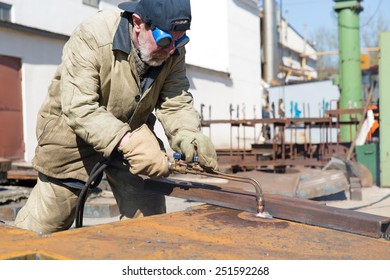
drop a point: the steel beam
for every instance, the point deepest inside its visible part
(281, 207)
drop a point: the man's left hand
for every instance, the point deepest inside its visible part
(192, 144)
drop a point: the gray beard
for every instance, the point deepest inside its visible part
(148, 59)
(146, 56)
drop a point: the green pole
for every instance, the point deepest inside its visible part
(384, 115)
(349, 61)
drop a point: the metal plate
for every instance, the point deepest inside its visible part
(203, 233)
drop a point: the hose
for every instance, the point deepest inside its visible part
(92, 182)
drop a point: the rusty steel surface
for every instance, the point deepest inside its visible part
(279, 151)
(282, 207)
(344, 111)
(242, 197)
(202, 233)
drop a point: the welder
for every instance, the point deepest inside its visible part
(120, 70)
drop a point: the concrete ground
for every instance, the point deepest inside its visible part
(375, 200)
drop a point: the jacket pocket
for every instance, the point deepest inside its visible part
(46, 128)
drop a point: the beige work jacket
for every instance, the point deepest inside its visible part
(95, 97)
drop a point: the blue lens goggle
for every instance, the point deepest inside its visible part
(164, 39)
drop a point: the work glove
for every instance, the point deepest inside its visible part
(143, 152)
(191, 144)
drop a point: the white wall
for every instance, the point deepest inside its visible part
(291, 38)
(40, 57)
(225, 39)
(60, 16)
(209, 35)
(294, 45)
(313, 99)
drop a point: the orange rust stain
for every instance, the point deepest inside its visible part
(206, 232)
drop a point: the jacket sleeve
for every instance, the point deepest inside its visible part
(80, 87)
(175, 109)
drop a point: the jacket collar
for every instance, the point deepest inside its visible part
(122, 39)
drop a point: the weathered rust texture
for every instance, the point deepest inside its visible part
(281, 207)
(203, 233)
(281, 151)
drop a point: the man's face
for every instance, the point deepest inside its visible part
(150, 53)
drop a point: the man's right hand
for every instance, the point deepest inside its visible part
(142, 150)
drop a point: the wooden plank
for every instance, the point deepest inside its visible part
(22, 174)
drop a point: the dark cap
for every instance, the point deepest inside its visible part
(168, 15)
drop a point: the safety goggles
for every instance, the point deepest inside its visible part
(164, 39)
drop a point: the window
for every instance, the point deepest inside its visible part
(93, 3)
(5, 11)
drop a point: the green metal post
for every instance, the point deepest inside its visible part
(384, 113)
(349, 61)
